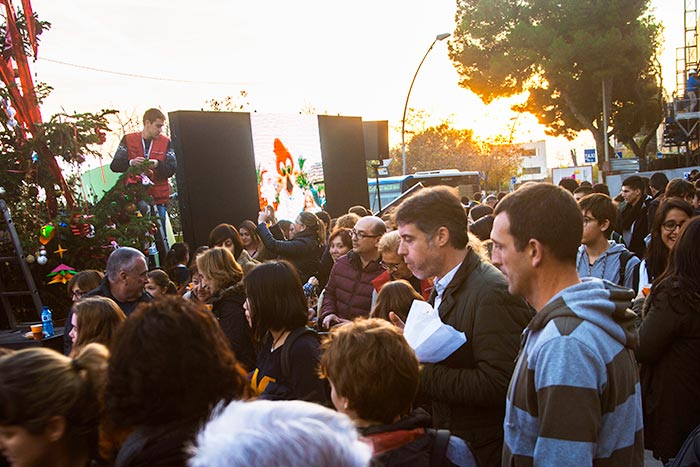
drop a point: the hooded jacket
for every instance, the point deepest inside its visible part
(607, 265)
(575, 396)
(227, 307)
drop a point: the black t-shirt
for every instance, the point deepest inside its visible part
(302, 383)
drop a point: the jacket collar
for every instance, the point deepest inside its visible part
(470, 263)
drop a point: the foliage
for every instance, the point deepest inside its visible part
(562, 53)
(230, 103)
(444, 147)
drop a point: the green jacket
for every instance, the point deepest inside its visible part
(468, 389)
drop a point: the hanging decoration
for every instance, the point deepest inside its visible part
(62, 273)
(61, 251)
(46, 234)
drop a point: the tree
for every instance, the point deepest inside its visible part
(444, 147)
(564, 53)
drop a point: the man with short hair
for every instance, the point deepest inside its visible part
(582, 191)
(466, 389)
(574, 398)
(632, 223)
(598, 256)
(125, 279)
(153, 154)
(491, 201)
(348, 294)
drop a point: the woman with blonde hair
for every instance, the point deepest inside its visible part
(222, 276)
(50, 406)
(94, 319)
(80, 284)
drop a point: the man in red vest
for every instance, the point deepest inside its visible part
(151, 149)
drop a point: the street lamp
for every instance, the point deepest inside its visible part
(439, 37)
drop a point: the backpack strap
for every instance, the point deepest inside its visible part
(440, 443)
(287, 348)
(625, 256)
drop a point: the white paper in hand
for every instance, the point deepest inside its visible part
(431, 339)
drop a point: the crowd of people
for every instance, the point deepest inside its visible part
(292, 346)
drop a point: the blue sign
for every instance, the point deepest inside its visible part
(589, 156)
(618, 154)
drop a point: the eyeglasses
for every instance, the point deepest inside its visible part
(587, 220)
(670, 226)
(391, 267)
(360, 235)
(77, 294)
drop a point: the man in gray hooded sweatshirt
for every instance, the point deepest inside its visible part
(574, 398)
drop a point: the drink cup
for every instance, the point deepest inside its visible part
(646, 289)
(37, 331)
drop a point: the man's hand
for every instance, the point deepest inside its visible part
(137, 161)
(333, 320)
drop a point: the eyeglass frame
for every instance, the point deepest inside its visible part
(391, 267)
(675, 225)
(361, 235)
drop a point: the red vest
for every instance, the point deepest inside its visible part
(160, 190)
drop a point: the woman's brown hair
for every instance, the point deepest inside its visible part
(98, 319)
(370, 363)
(396, 296)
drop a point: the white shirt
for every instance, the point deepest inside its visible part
(441, 285)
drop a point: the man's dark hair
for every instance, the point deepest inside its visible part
(360, 211)
(679, 188)
(658, 181)
(601, 188)
(168, 349)
(546, 213)
(569, 184)
(477, 196)
(586, 183)
(151, 115)
(601, 208)
(634, 182)
(586, 190)
(432, 208)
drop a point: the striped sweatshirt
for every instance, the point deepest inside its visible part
(574, 398)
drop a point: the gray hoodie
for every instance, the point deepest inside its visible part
(607, 266)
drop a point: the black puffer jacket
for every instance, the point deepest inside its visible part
(228, 309)
(468, 389)
(669, 351)
(303, 251)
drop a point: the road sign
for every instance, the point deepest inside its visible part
(589, 156)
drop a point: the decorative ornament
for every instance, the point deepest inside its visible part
(138, 214)
(46, 234)
(62, 273)
(130, 208)
(3, 191)
(42, 260)
(30, 259)
(60, 251)
(33, 192)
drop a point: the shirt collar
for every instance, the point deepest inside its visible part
(441, 285)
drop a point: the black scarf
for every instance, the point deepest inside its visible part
(630, 213)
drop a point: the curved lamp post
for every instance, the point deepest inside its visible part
(439, 37)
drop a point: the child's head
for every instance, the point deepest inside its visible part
(372, 370)
(396, 296)
(600, 215)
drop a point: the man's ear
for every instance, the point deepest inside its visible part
(55, 428)
(441, 237)
(123, 275)
(535, 251)
(604, 226)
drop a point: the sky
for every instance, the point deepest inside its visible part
(341, 58)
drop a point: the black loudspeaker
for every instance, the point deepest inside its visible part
(216, 176)
(376, 135)
(344, 169)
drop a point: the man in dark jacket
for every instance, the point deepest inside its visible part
(348, 293)
(633, 222)
(468, 388)
(125, 279)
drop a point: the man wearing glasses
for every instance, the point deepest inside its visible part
(348, 293)
(153, 154)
